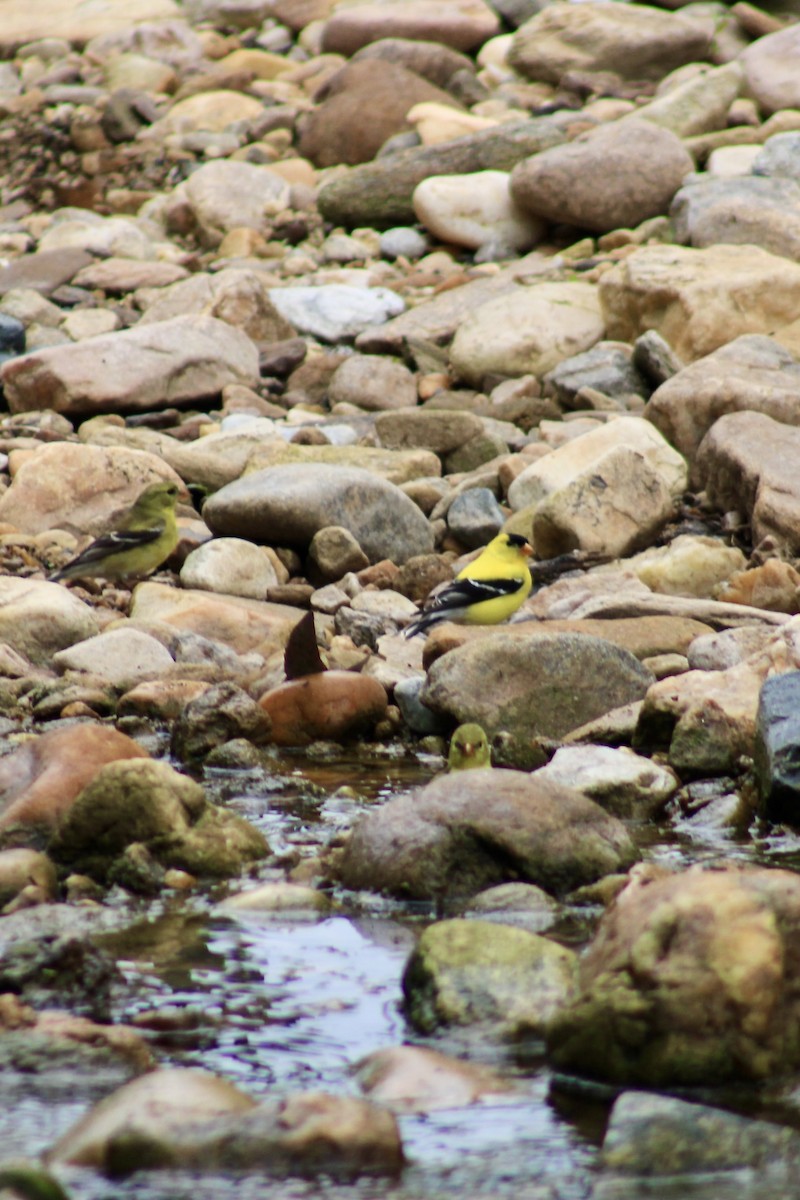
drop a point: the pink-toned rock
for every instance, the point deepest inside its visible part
(418, 1080)
(62, 1028)
(332, 705)
(460, 24)
(135, 370)
(39, 781)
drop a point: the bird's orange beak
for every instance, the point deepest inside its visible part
(527, 550)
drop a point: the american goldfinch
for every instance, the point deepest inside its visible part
(144, 539)
(486, 592)
(469, 749)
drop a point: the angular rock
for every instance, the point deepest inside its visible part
(468, 972)
(708, 718)
(301, 500)
(608, 367)
(472, 830)
(699, 299)
(745, 463)
(636, 42)
(579, 458)
(614, 509)
(440, 430)
(688, 981)
(690, 565)
(535, 685)
(418, 1080)
(752, 373)
(121, 656)
(173, 362)
(217, 715)
(44, 271)
(698, 105)
(618, 175)
(527, 332)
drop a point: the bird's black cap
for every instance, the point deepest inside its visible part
(516, 539)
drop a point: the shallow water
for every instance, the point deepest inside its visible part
(277, 1005)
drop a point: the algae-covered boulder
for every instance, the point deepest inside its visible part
(148, 803)
(462, 972)
(691, 979)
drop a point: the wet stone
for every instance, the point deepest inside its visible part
(777, 747)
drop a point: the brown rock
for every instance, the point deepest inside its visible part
(690, 980)
(39, 781)
(334, 705)
(616, 176)
(364, 104)
(461, 24)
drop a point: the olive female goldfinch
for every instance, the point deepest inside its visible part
(487, 591)
(142, 541)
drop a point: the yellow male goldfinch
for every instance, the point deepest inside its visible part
(487, 591)
(469, 749)
(145, 537)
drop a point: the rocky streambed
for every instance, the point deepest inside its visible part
(370, 284)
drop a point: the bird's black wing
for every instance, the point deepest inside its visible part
(458, 596)
(116, 542)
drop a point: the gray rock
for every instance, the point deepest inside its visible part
(616, 176)
(531, 684)
(219, 714)
(336, 311)
(121, 656)
(404, 240)
(779, 157)
(654, 358)
(475, 517)
(777, 742)
(770, 66)
(476, 829)
(37, 618)
(745, 210)
(608, 367)
(440, 430)
(417, 716)
(290, 504)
